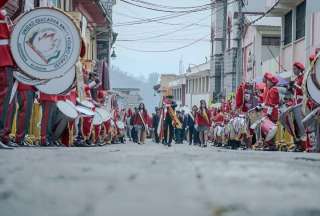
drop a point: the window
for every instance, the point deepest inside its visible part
(300, 20)
(270, 41)
(288, 28)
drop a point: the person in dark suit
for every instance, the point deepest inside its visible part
(190, 125)
(155, 123)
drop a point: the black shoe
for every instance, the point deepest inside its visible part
(48, 144)
(3, 146)
(12, 144)
(24, 144)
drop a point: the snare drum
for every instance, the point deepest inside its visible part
(104, 113)
(97, 119)
(66, 113)
(268, 129)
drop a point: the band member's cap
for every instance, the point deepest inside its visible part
(274, 80)
(312, 57)
(267, 75)
(299, 65)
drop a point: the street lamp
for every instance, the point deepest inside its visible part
(113, 55)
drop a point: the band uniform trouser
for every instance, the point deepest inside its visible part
(47, 120)
(86, 127)
(168, 133)
(6, 84)
(96, 133)
(68, 134)
(25, 102)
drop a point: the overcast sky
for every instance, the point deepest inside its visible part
(144, 63)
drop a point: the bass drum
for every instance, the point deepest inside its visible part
(58, 85)
(45, 43)
(312, 90)
(311, 117)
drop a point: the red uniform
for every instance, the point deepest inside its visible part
(137, 119)
(6, 80)
(271, 104)
(25, 99)
(203, 119)
(3, 2)
(219, 118)
(48, 103)
(298, 93)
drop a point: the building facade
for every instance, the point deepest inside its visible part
(261, 48)
(198, 84)
(300, 30)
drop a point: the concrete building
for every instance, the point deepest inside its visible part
(261, 47)
(131, 96)
(198, 84)
(178, 89)
(300, 31)
(164, 87)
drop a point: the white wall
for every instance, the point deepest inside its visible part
(194, 99)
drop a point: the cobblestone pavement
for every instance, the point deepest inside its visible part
(154, 180)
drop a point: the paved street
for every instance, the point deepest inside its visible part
(152, 180)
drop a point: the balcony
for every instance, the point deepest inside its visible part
(282, 6)
(98, 12)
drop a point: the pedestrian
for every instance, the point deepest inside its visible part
(140, 122)
(155, 123)
(203, 123)
(190, 125)
(179, 131)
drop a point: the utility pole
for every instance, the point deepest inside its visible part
(240, 54)
(223, 45)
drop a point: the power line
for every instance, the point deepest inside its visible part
(163, 51)
(171, 32)
(172, 7)
(206, 7)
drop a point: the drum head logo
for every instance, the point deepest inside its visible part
(45, 43)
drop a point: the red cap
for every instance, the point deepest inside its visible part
(267, 75)
(274, 80)
(299, 65)
(2, 3)
(312, 57)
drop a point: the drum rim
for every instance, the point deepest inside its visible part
(314, 75)
(68, 17)
(69, 105)
(85, 108)
(17, 74)
(43, 86)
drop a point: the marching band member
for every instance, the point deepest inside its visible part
(25, 100)
(203, 123)
(271, 105)
(218, 123)
(48, 104)
(298, 70)
(140, 122)
(87, 121)
(155, 122)
(6, 80)
(67, 137)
